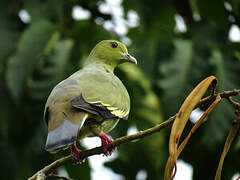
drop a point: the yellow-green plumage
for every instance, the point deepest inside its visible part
(90, 101)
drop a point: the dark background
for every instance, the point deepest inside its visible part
(36, 55)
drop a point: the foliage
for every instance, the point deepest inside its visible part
(34, 56)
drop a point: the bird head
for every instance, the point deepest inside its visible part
(111, 52)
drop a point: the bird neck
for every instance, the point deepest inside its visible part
(107, 67)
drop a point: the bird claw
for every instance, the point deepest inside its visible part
(76, 155)
(105, 141)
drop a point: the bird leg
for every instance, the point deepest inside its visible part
(76, 154)
(105, 141)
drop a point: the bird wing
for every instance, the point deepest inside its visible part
(102, 94)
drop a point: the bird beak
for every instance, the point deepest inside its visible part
(129, 58)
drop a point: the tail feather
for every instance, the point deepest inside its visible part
(62, 136)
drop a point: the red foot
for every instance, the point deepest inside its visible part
(105, 141)
(76, 154)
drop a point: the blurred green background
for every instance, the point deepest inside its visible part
(177, 43)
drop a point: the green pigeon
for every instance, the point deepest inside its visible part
(90, 102)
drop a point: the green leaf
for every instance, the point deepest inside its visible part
(174, 72)
(29, 48)
(9, 33)
(81, 171)
(218, 16)
(146, 106)
(50, 70)
(49, 9)
(147, 154)
(226, 70)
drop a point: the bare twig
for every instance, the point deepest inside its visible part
(58, 176)
(41, 176)
(224, 94)
(125, 139)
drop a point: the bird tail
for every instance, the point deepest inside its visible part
(63, 136)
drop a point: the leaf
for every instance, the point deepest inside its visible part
(81, 171)
(9, 34)
(180, 121)
(227, 146)
(50, 69)
(198, 123)
(29, 48)
(147, 154)
(226, 70)
(145, 112)
(49, 9)
(156, 16)
(185, 111)
(146, 105)
(218, 16)
(174, 72)
(146, 53)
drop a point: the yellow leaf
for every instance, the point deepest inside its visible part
(181, 119)
(227, 145)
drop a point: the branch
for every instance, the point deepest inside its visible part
(224, 94)
(125, 139)
(98, 150)
(58, 177)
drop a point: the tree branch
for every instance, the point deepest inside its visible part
(58, 177)
(98, 150)
(125, 139)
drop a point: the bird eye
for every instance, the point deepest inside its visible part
(113, 44)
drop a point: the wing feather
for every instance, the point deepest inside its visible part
(99, 108)
(102, 92)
